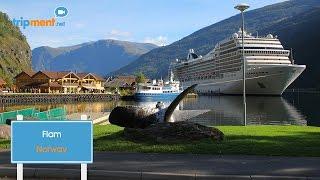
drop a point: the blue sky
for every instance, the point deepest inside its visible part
(154, 21)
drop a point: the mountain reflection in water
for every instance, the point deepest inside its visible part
(291, 108)
(228, 110)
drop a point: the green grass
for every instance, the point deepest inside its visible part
(249, 140)
(4, 144)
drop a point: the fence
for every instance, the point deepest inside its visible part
(32, 113)
(52, 114)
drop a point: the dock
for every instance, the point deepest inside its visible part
(96, 117)
(30, 98)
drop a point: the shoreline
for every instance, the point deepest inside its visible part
(29, 98)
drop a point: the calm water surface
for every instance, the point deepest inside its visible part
(291, 108)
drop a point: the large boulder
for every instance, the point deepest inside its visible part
(174, 131)
(5, 132)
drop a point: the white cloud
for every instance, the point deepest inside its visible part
(160, 40)
(115, 32)
(119, 35)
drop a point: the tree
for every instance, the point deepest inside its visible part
(140, 77)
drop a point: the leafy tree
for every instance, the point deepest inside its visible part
(140, 77)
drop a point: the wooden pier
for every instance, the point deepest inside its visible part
(29, 98)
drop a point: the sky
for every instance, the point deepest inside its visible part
(152, 21)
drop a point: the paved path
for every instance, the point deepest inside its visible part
(184, 166)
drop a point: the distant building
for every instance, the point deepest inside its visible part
(23, 79)
(121, 82)
(90, 82)
(59, 82)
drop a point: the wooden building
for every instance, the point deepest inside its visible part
(23, 79)
(121, 82)
(91, 82)
(59, 82)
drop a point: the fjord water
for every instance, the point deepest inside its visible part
(290, 108)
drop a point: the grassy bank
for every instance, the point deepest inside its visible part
(4, 144)
(250, 140)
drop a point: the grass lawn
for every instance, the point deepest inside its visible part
(250, 140)
(4, 144)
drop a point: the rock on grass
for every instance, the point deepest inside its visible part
(172, 132)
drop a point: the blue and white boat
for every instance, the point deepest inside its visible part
(157, 90)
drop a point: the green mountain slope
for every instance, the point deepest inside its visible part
(156, 62)
(302, 34)
(15, 53)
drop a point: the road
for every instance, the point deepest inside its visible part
(138, 165)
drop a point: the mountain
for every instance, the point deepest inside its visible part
(15, 52)
(100, 57)
(156, 62)
(302, 34)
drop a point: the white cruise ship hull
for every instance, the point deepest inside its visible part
(260, 80)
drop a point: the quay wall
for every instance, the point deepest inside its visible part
(26, 98)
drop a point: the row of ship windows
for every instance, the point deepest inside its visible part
(229, 75)
(218, 76)
(230, 53)
(236, 48)
(268, 62)
(169, 91)
(150, 88)
(215, 63)
(148, 94)
(234, 67)
(258, 73)
(217, 69)
(266, 52)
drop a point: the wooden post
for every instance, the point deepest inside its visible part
(20, 165)
(84, 168)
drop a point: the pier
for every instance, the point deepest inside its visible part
(29, 98)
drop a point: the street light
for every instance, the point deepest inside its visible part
(242, 7)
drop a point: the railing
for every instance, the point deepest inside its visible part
(70, 84)
(51, 114)
(32, 98)
(88, 84)
(29, 112)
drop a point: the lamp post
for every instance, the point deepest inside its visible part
(242, 7)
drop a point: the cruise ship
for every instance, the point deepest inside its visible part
(270, 69)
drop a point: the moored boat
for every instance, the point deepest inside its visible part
(157, 90)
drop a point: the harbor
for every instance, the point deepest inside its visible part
(218, 91)
(291, 108)
(31, 98)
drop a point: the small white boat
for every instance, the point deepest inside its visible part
(158, 90)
